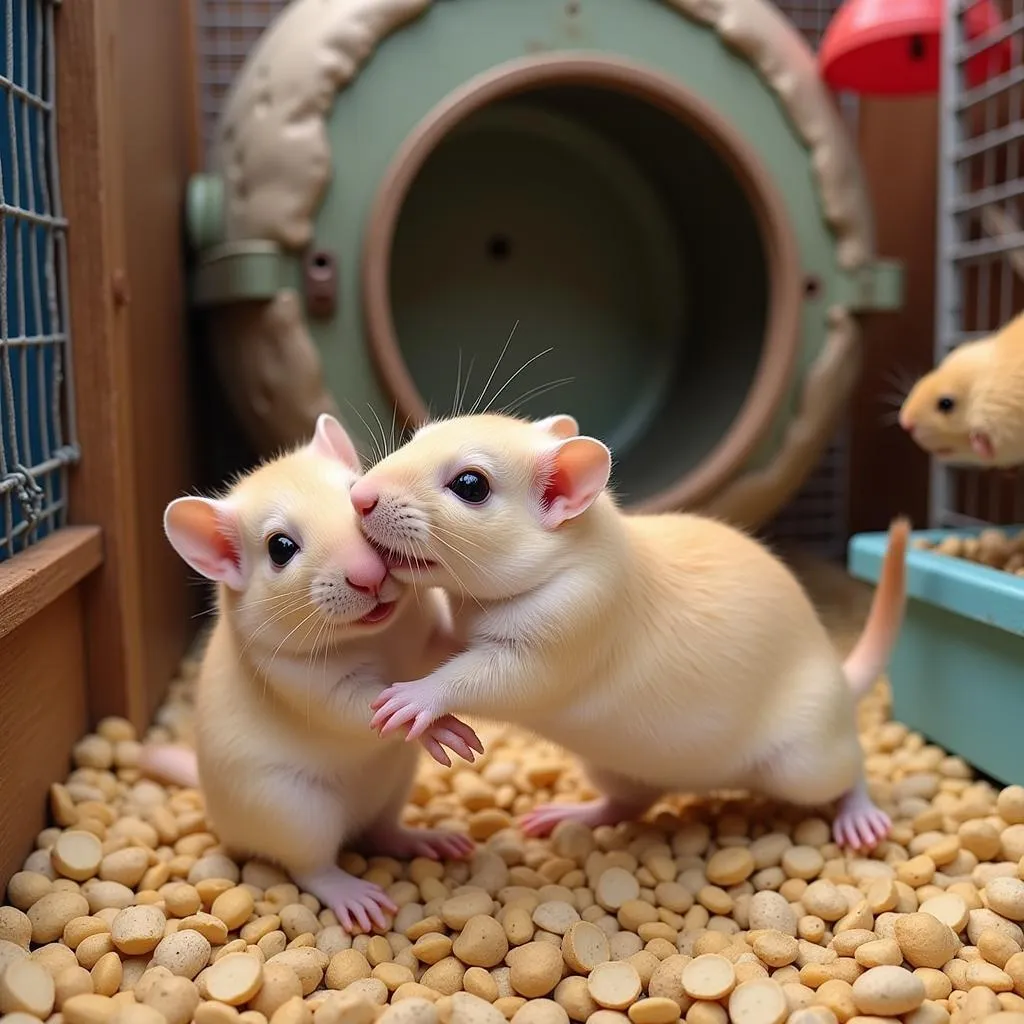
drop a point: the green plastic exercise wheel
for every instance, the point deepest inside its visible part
(651, 211)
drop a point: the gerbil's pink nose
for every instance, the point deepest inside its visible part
(364, 497)
(366, 575)
(906, 423)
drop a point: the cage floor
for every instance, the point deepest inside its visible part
(926, 927)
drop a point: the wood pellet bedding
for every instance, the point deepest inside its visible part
(998, 549)
(127, 912)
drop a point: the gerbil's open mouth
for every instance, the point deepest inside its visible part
(396, 560)
(379, 614)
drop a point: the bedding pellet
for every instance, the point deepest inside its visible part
(129, 912)
(997, 549)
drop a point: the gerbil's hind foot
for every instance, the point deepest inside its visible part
(405, 843)
(354, 901)
(603, 811)
(860, 825)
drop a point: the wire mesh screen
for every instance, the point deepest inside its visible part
(981, 223)
(227, 30)
(37, 424)
(816, 518)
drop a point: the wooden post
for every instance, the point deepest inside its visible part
(899, 149)
(124, 139)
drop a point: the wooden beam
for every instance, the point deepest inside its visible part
(103, 486)
(43, 711)
(903, 194)
(124, 156)
(40, 574)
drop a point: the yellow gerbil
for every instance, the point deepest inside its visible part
(310, 629)
(670, 652)
(970, 409)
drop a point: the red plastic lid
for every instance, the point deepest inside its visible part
(892, 47)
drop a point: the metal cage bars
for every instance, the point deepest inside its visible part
(980, 231)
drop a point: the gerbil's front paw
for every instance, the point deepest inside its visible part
(409, 704)
(435, 844)
(354, 901)
(449, 732)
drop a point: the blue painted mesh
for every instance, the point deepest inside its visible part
(37, 435)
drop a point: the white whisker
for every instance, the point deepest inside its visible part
(276, 616)
(378, 456)
(465, 386)
(532, 359)
(501, 356)
(272, 657)
(458, 385)
(536, 392)
(458, 538)
(383, 436)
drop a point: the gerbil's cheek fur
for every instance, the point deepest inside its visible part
(331, 594)
(399, 530)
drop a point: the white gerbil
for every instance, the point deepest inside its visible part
(669, 652)
(969, 410)
(310, 628)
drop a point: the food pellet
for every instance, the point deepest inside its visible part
(234, 979)
(614, 985)
(584, 946)
(758, 1002)
(131, 912)
(137, 930)
(709, 977)
(616, 886)
(77, 855)
(25, 987)
(481, 943)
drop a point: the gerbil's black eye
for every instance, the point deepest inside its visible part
(282, 549)
(470, 486)
(945, 404)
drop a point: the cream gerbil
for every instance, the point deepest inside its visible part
(970, 409)
(310, 628)
(669, 652)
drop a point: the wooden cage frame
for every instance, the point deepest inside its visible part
(95, 618)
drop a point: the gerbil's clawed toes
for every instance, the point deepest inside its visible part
(355, 902)
(541, 820)
(421, 842)
(860, 825)
(449, 732)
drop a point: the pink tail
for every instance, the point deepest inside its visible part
(871, 655)
(177, 765)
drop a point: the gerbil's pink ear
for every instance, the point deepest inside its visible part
(206, 534)
(981, 445)
(561, 425)
(577, 473)
(332, 441)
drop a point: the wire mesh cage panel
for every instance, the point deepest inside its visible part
(816, 517)
(981, 226)
(227, 30)
(811, 17)
(37, 422)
